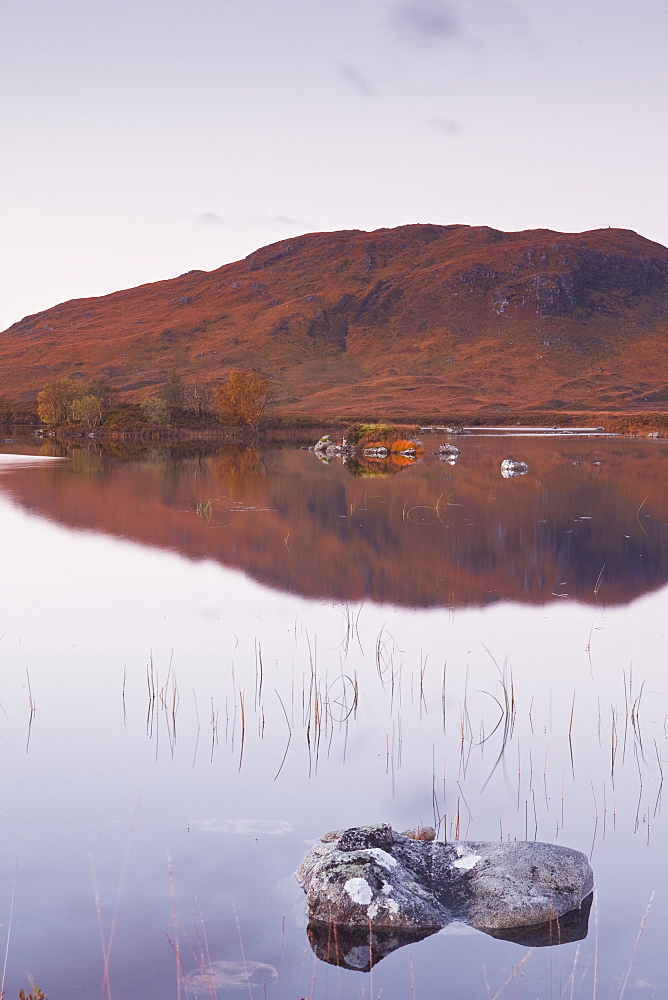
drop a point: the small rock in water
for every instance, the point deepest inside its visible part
(421, 833)
(327, 838)
(325, 448)
(510, 468)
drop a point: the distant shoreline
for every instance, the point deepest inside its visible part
(631, 424)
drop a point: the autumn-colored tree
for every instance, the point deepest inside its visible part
(242, 400)
(86, 410)
(69, 401)
(54, 400)
(155, 410)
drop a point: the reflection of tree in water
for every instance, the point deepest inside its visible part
(84, 460)
(52, 448)
(151, 450)
(362, 466)
(239, 460)
(433, 537)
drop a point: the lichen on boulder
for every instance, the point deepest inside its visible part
(376, 881)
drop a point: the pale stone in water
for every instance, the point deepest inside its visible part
(510, 468)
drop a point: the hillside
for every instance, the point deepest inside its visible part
(414, 320)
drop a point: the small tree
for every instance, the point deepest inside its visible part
(86, 410)
(243, 399)
(54, 401)
(193, 396)
(155, 410)
(98, 387)
(198, 398)
(173, 392)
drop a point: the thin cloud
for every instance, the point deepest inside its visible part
(425, 22)
(356, 79)
(287, 220)
(210, 219)
(435, 23)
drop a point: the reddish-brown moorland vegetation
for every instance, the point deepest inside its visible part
(417, 320)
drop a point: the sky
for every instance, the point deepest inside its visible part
(144, 138)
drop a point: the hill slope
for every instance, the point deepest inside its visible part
(416, 319)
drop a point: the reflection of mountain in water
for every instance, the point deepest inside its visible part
(589, 515)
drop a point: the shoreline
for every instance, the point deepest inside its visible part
(630, 424)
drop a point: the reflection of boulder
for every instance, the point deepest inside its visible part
(572, 926)
(448, 451)
(375, 881)
(510, 468)
(327, 449)
(370, 450)
(360, 949)
(357, 947)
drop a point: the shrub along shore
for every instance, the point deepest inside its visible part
(180, 428)
(246, 405)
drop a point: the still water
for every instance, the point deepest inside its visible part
(209, 658)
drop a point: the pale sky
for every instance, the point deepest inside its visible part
(143, 138)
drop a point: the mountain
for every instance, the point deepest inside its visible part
(414, 320)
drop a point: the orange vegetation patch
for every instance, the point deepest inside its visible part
(401, 461)
(403, 445)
